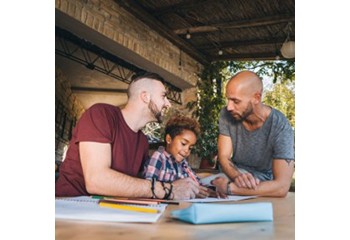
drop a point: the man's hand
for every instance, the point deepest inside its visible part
(185, 188)
(203, 192)
(246, 180)
(221, 186)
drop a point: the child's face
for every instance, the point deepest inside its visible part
(181, 145)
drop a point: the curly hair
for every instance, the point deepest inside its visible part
(177, 124)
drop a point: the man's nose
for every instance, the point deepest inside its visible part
(167, 103)
(230, 106)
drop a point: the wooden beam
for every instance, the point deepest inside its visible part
(135, 9)
(223, 45)
(247, 57)
(237, 24)
(88, 89)
(184, 5)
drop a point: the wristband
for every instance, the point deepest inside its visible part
(167, 191)
(153, 187)
(228, 189)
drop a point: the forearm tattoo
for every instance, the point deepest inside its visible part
(289, 161)
(233, 166)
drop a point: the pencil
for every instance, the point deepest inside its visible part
(191, 174)
(127, 207)
(130, 201)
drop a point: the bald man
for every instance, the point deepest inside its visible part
(255, 144)
(107, 148)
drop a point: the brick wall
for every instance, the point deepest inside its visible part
(109, 19)
(68, 110)
(112, 21)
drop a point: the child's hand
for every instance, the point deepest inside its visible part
(211, 191)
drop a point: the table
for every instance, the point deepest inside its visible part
(283, 226)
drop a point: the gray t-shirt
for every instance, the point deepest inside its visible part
(254, 151)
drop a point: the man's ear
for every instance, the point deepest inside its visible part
(257, 97)
(145, 96)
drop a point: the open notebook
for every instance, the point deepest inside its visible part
(87, 208)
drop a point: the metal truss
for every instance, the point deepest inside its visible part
(94, 58)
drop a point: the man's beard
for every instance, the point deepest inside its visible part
(155, 111)
(245, 114)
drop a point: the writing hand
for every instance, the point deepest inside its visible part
(185, 188)
(204, 192)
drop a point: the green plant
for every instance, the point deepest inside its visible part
(207, 108)
(282, 98)
(281, 70)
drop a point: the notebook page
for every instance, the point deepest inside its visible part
(87, 209)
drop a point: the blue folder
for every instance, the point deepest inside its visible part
(203, 213)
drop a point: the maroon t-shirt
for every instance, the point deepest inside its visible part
(105, 124)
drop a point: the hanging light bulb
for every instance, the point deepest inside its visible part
(220, 52)
(188, 35)
(288, 49)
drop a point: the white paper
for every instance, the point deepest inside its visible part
(207, 180)
(211, 199)
(87, 208)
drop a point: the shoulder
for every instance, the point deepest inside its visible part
(161, 152)
(279, 120)
(158, 155)
(103, 109)
(226, 118)
(278, 115)
(224, 114)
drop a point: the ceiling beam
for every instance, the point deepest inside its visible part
(184, 5)
(237, 24)
(246, 57)
(223, 45)
(145, 17)
(88, 89)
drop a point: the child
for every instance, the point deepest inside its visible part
(169, 164)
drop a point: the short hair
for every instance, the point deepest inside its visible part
(178, 123)
(143, 75)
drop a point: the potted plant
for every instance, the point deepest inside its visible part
(207, 109)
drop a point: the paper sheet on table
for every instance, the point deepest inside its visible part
(207, 180)
(201, 213)
(211, 199)
(86, 208)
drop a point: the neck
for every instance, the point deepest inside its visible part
(134, 116)
(257, 118)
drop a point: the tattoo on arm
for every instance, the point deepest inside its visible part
(289, 161)
(233, 166)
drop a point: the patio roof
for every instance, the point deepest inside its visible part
(241, 29)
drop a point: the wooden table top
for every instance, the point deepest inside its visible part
(282, 227)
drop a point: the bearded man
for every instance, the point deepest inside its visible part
(108, 148)
(255, 143)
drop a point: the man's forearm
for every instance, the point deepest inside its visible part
(229, 169)
(267, 189)
(113, 183)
